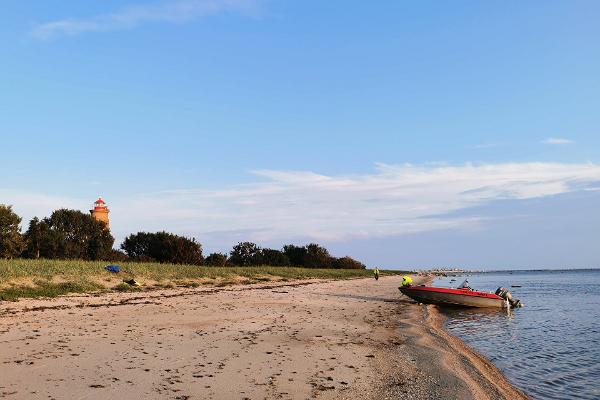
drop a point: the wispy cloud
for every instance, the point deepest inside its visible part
(175, 11)
(392, 200)
(556, 141)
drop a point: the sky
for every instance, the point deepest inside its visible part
(404, 134)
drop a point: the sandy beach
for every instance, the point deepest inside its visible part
(290, 340)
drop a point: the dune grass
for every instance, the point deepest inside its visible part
(41, 288)
(50, 278)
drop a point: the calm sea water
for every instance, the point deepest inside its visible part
(551, 347)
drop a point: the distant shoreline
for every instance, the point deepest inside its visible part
(487, 271)
(544, 270)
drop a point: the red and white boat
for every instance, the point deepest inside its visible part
(463, 296)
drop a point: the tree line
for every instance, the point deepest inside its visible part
(72, 234)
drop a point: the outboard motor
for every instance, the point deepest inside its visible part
(506, 295)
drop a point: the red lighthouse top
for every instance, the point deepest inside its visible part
(99, 204)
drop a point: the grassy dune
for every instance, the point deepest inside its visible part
(51, 278)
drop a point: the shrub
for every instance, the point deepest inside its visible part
(216, 260)
(273, 257)
(348, 263)
(163, 247)
(117, 256)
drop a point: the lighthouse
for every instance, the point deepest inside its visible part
(100, 211)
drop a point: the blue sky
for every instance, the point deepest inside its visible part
(401, 133)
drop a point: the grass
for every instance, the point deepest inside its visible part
(46, 289)
(50, 278)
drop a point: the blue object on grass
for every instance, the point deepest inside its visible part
(113, 268)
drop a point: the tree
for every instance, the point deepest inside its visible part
(33, 238)
(348, 263)
(296, 254)
(163, 247)
(317, 257)
(42, 241)
(138, 245)
(244, 254)
(12, 243)
(216, 260)
(273, 257)
(68, 234)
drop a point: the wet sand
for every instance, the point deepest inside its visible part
(316, 339)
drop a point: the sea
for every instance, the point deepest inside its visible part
(551, 347)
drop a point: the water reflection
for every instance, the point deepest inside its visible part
(480, 321)
(470, 314)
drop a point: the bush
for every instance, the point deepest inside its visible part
(216, 260)
(316, 256)
(163, 247)
(348, 263)
(273, 257)
(117, 256)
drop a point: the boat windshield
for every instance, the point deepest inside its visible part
(465, 285)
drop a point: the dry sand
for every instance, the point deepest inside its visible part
(319, 339)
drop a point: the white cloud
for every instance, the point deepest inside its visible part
(557, 141)
(392, 200)
(175, 11)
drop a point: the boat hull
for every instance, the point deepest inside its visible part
(453, 297)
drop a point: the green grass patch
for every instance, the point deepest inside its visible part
(86, 276)
(46, 289)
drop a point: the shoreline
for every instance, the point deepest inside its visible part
(484, 366)
(302, 339)
(446, 367)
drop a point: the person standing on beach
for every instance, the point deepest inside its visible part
(376, 273)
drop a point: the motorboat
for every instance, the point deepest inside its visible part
(463, 296)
